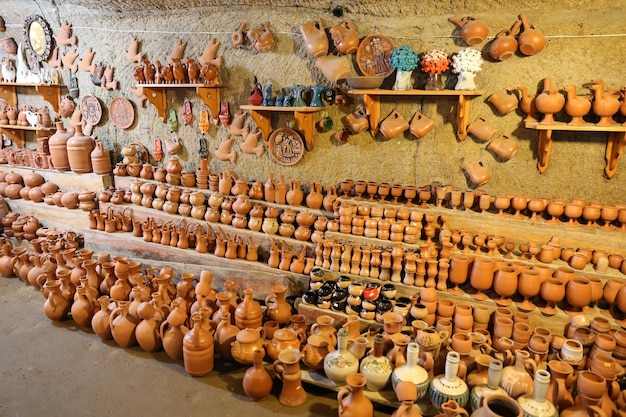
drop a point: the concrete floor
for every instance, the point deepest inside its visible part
(56, 369)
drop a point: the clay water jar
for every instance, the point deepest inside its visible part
(531, 40)
(393, 125)
(345, 37)
(504, 101)
(478, 172)
(504, 45)
(482, 129)
(315, 39)
(420, 125)
(504, 146)
(473, 31)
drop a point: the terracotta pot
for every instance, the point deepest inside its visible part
(478, 172)
(393, 125)
(473, 31)
(315, 39)
(100, 159)
(531, 41)
(504, 101)
(352, 402)
(79, 148)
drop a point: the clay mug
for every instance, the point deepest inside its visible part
(42, 161)
(504, 146)
(504, 45)
(482, 129)
(345, 37)
(504, 101)
(473, 31)
(393, 125)
(572, 351)
(421, 125)
(325, 124)
(357, 121)
(315, 39)
(341, 136)
(531, 40)
(478, 172)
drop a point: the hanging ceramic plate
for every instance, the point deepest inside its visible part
(121, 112)
(374, 55)
(91, 109)
(286, 146)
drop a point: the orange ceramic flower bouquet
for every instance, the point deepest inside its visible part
(435, 61)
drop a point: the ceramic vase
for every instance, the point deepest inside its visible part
(341, 362)
(198, 348)
(375, 367)
(352, 401)
(257, 382)
(536, 405)
(58, 148)
(412, 372)
(292, 393)
(79, 148)
(449, 386)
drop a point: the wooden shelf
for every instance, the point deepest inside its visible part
(614, 147)
(49, 92)
(262, 116)
(51, 216)
(209, 93)
(67, 181)
(255, 275)
(16, 133)
(371, 101)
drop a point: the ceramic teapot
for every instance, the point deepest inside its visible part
(247, 341)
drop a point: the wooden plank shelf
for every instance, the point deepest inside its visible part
(259, 238)
(255, 275)
(372, 100)
(612, 240)
(49, 92)
(17, 133)
(305, 117)
(51, 216)
(614, 147)
(68, 180)
(157, 95)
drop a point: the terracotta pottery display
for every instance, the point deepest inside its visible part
(352, 401)
(56, 306)
(257, 382)
(79, 148)
(123, 325)
(198, 348)
(58, 147)
(292, 393)
(345, 37)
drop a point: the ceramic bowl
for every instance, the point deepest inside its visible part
(365, 82)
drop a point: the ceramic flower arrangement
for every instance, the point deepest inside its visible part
(466, 63)
(434, 63)
(404, 60)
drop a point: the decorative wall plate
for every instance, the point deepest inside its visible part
(374, 55)
(286, 146)
(121, 112)
(91, 109)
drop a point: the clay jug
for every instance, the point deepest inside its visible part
(294, 196)
(504, 146)
(58, 147)
(226, 181)
(375, 367)
(173, 330)
(269, 190)
(123, 325)
(334, 68)
(482, 129)
(257, 382)
(315, 198)
(560, 386)
(56, 306)
(315, 39)
(498, 405)
(317, 347)
(6, 266)
(504, 101)
(473, 31)
(352, 401)
(100, 320)
(100, 159)
(292, 393)
(248, 313)
(478, 172)
(82, 308)
(278, 309)
(79, 148)
(586, 407)
(535, 405)
(225, 335)
(531, 40)
(420, 125)
(345, 37)
(393, 125)
(504, 45)
(198, 348)
(516, 379)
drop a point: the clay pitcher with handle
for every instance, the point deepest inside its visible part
(531, 41)
(473, 31)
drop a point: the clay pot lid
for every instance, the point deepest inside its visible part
(248, 335)
(285, 334)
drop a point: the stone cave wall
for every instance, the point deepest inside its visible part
(586, 40)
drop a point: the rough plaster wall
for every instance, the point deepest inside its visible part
(579, 49)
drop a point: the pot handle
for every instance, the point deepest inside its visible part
(340, 396)
(597, 411)
(455, 21)
(279, 373)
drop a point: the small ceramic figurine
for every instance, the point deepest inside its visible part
(85, 62)
(256, 94)
(261, 38)
(131, 53)
(64, 38)
(267, 96)
(8, 70)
